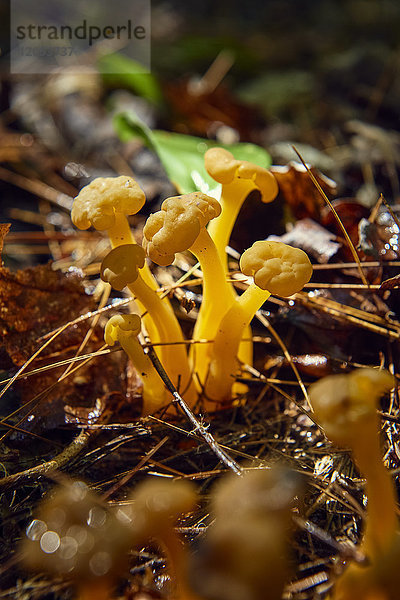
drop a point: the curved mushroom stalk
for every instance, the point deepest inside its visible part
(125, 329)
(181, 225)
(277, 269)
(122, 267)
(238, 178)
(105, 203)
(346, 408)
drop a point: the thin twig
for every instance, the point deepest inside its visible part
(199, 427)
(59, 461)
(342, 227)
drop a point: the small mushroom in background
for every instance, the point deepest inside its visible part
(155, 506)
(75, 535)
(346, 408)
(244, 555)
(238, 178)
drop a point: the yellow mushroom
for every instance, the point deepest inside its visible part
(156, 504)
(125, 329)
(244, 553)
(346, 408)
(105, 203)
(238, 179)
(277, 269)
(181, 225)
(120, 268)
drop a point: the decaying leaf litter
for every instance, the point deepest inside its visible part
(68, 410)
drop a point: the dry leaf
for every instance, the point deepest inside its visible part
(34, 301)
(311, 237)
(4, 229)
(299, 192)
(390, 284)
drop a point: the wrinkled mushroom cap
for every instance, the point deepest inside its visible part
(276, 267)
(345, 405)
(75, 534)
(155, 506)
(97, 203)
(121, 325)
(121, 265)
(224, 168)
(177, 225)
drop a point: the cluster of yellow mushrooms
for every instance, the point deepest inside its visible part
(244, 553)
(202, 225)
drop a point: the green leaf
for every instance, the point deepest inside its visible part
(118, 70)
(183, 155)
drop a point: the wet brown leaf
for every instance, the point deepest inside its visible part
(203, 113)
(390, 284)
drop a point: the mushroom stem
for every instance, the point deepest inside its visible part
(177, 562)
(382, 520)
(232, 198)
(153, 387)
(223, 364)
(220, 229)
(173, 357)
(216, 300)
(120, 233)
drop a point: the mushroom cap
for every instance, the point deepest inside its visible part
(345, 405)
(177, 225)
(121, 265)
(97, 203)
(257, 492)
(224, 168)
(277, 267)
(121, 325)
(156, 505)
(74, 533)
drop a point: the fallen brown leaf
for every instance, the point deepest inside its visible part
(298, 190)
(4, 229)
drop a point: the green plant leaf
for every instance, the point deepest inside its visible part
(183, 155)
(118, 70)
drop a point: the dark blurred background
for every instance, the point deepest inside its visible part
(321, 75)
